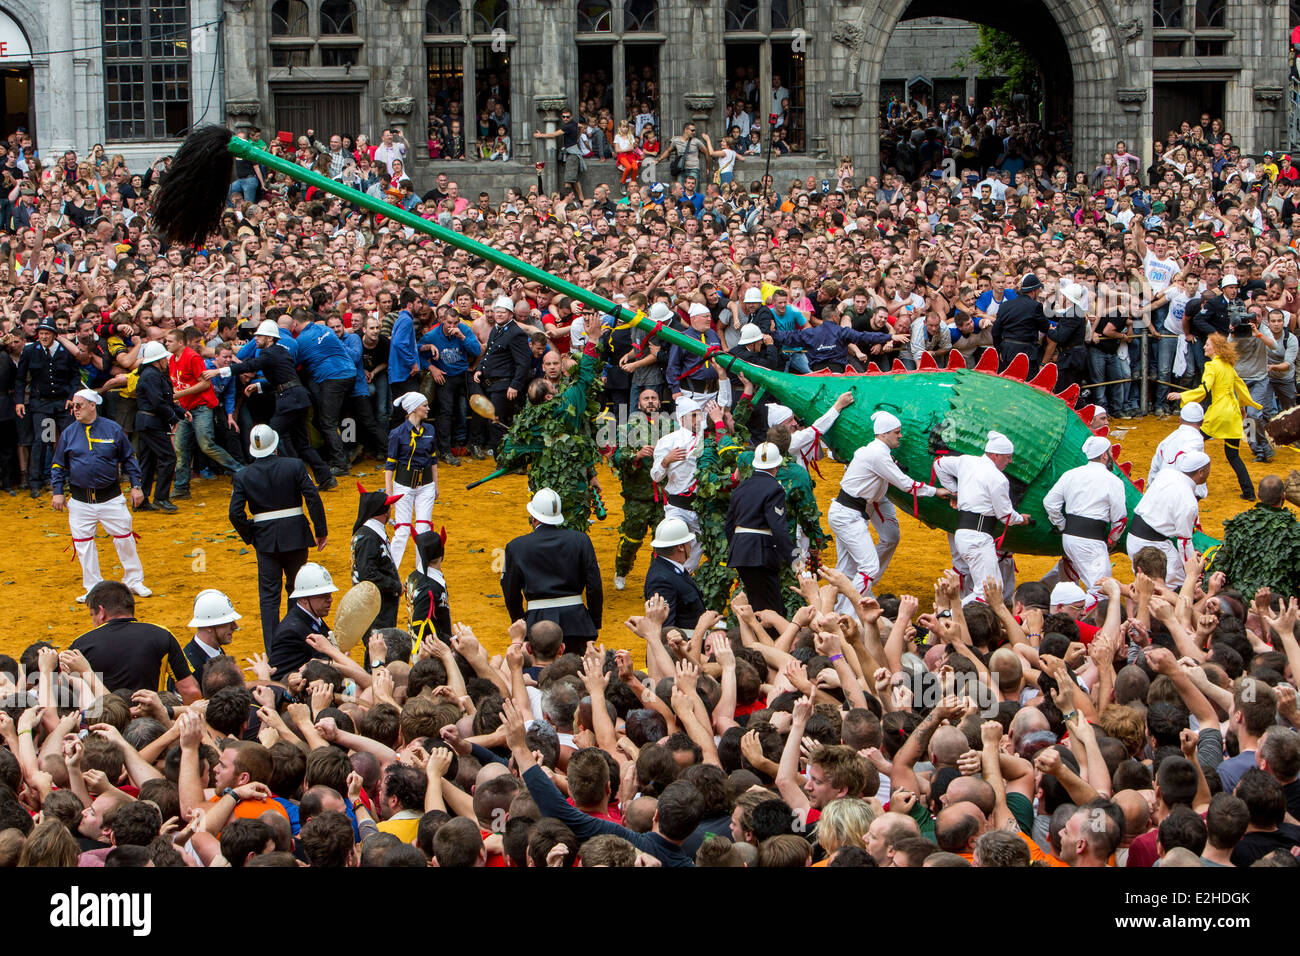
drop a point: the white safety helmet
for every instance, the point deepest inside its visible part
(312, 580)
(670, 533)
(546, 507)
(211, 608)
(152, 352)
(262, 441)
(268, 329)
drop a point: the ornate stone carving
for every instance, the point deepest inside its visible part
(848, 34)
(1131, 100)
(243, 107)
(1130, 29)
(548, 103)
(239, 6)
(846, 99)
(700, 102)
(1268, 97)
(397, 99)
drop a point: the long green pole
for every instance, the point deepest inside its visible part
(257, 153)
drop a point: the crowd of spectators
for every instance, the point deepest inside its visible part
(1158, 726)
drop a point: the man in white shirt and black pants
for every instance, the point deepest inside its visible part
(758, 532)
(1087, 505)
(983, 507)
(675, 458)
(1166, 516)
(862, 499)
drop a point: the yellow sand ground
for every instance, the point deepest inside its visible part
(196, 549)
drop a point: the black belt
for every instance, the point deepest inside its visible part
(413, 477)
(685, 502)
(699, 386)
(1137, 528)
(285, 386)
(95, 496)
(970, 521)
(857, 504)
(1095, 529)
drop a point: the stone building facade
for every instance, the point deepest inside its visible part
(135, 74)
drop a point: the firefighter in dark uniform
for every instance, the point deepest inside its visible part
(312, 597)
(372, 560)
(292, 402)
(1070, 336)
(504, 366)
(47, 378)
(275, 490)
(1019, 323)
(156, 415)
(551, 567)
(427, 591)
(758, 532)
(214, 628)
(669, 578)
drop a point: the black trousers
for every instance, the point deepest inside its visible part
(477, 427)
(157, 463)
(49, 419)
(1009, 349)
(227, 438)
(1231, 451)
(8, 453)
(763, 589)
(453, 412)
(330, 397)
(367, 432)
(291, 426)
(505, 409)
(397, 390)
(271, 567)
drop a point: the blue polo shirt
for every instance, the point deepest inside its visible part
(321, 352)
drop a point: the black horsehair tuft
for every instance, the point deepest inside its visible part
(195, 188)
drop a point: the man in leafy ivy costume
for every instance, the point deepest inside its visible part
(716, 475)
(632, 458)
(552, 436)
(1261, 547)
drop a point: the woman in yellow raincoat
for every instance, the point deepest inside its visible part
(1224, 396)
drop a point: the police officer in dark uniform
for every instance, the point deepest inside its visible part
(668, 577)
(48, 376)
(504, 366)
(275, 490)
(1019, 323)
(156, 415)
(312, 597)
(758, 532)
(551, 567)
(292, 402)
(214, 628)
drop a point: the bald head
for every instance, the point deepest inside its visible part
(1137, 813)
(947, 744)
(958, 827)
(971, 790)
(1028, 720)
(1006, 667)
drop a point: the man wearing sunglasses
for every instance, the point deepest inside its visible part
(91, 455)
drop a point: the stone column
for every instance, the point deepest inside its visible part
(205, 59)
(854, 81)
(548, 109)
(245, 87)
(58, 132)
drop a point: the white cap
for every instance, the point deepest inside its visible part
(883, 421)
(1193, 412)
(268, 328)
(1095, 447)
(686, 405)
(1067, 592)
(410, 401)
(999, 444)
(754, 294)
(750, 333)
(1227, 281)
(212, 607)
(262, 441)
(312, 579)
(698, 308)
(546, 507)
(766, 456)
(778, 415)
(1190, 461)
(504, 302)
(1076, 294)
(670, 533)
(90, 395)
(659, 312)
(151, 352)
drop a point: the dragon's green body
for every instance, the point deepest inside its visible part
(944, 411)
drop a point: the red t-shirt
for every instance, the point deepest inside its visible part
(187, 370)
(560, 344)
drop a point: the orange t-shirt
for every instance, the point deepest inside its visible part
(1035, 854)
(252, 809)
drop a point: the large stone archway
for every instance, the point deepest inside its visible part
(1105, 95)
